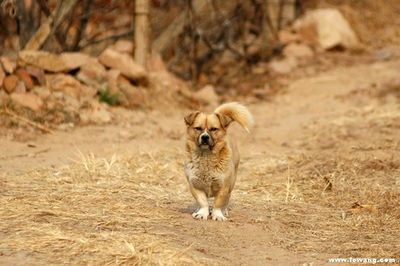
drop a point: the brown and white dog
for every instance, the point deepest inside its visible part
(213, 157)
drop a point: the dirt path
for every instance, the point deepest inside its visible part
(314, 150)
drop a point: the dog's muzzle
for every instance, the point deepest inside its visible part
(205, 139)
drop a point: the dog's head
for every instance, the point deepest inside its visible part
(206, 130)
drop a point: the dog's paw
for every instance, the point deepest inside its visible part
(226, 213)
(217, 215)
(201, 214)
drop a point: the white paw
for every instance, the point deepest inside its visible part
(202, 213)
(217, 215)
(226, 213)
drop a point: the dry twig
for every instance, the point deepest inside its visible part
(26, 120)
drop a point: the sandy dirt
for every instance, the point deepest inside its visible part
(319, 179)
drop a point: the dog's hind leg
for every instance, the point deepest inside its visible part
(201, 198)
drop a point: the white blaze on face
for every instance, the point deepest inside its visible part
(204, 137)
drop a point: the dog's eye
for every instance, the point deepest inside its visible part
(198, 128)
(213, 129)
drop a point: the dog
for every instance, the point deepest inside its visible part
(213, 158)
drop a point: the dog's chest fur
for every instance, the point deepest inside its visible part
(206, 172)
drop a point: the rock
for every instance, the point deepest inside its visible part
(67, 104)
(10, 83)
(298, 50)
(284, 66)
(172, 88)
(9, 65)
(100, 116)
(286, 37)
(124, 63)
(75, 60)
(155, 63)
(65, 83)
(66, 127)
(37, 73)
(4, 98)
(331, 28)
(207, 95)
(2, 76)
(28, 100)
(44, 60)
(25, 78)
(123, 46)
(21, 88)
(71, 104)
(87, 91)
(42, 92)
(112, 80)
(134, 95)
(53, 62)
(97, 113)
(93, 74)
(13, 84)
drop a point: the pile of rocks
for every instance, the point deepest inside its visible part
(319, 30)
(75, 87)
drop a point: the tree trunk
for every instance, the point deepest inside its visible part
(23, 25)
(142, 30)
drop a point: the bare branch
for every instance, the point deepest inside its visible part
(82, 25)
(112, 37)
(50, 26)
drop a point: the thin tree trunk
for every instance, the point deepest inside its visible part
(142, 30)
(23, 27)
(192, 24)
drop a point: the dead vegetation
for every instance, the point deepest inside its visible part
(340, 195)
(96, 211)
(329, 200)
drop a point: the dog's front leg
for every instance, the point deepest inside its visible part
(221, 202)
(201, 198)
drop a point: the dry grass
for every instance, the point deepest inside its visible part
(341, 198)
(124, 210)
(96, 211)
(338, 197)
(357, 216)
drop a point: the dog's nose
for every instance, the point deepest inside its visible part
(205, 138)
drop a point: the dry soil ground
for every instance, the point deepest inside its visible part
(319, 178)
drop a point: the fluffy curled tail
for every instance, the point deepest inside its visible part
(236, 112)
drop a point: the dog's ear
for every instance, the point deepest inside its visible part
(189, 119)
(224, 120)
